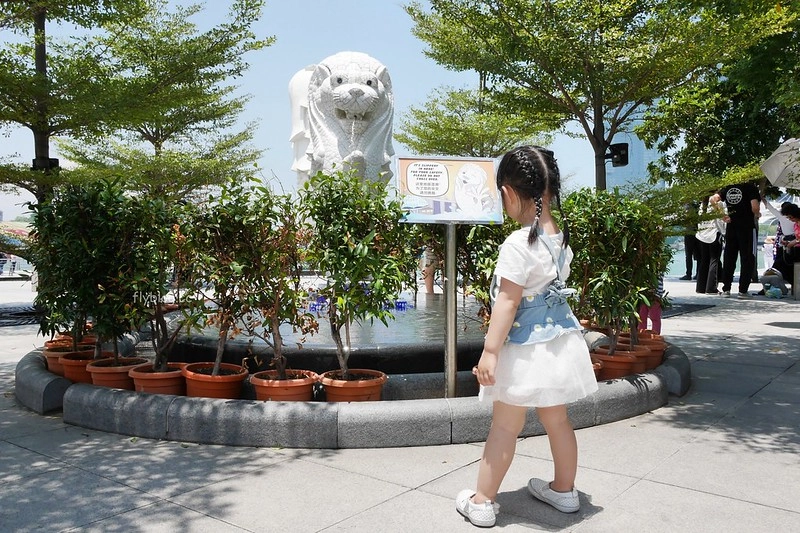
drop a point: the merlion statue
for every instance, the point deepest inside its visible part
(342, 112)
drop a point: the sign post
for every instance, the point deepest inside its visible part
(450, 306)
(449, 191)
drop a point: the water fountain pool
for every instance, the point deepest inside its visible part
(414, 342)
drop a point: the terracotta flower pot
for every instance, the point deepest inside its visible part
(299, 387)
(597, 366)
(626, 360)
(51, 355)
(169, 382)
(66, 340)
(653, 343)
(106, 374)
(588, 324)
(200, 382)
(58, 342)
(55, 349)
(650, 334)
(74, 364)
(657, 349)
(366, 386)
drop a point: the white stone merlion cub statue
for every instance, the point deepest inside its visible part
(342, 112)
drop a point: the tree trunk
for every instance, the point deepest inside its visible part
(336, 333)
(599, 142)
(277, 347)
(223, 338)
(41, 126)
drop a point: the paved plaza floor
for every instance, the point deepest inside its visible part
(723, 458)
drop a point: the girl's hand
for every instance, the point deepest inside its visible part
(503, 312)
(485, 369)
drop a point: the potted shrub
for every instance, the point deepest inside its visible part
(74, 253)
(104, 273)
(361, 247)
(620, 251)
(163, 270)
(221, 243)
(119, 236)
(271, 262)
(57, 253)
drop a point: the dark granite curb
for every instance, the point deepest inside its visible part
(402, 422)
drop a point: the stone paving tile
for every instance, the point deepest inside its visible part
(730, 378)
(160, 517)
(320, 496)
(423, 513)
(65, 498)
(739, 464)
(17, 463)
(409, 467)
(18, 422)
(596, 487)
(163, 468)
(649, 507)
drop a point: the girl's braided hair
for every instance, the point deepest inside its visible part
(532, 171)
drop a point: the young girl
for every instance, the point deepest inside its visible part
(534, 354)
(652, 311)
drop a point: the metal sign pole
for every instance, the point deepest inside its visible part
(451, 330)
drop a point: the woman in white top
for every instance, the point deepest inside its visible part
(709, 237)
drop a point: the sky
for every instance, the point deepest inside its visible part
(305, 34)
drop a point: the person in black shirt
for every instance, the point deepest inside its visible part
(742, 201)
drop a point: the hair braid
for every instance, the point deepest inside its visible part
(532, 172)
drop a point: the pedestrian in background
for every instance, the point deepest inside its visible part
(742, 202)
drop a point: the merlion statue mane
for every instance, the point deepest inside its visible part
(342, 111)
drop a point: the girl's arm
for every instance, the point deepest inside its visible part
(503, 312)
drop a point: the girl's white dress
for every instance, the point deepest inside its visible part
(542, 373)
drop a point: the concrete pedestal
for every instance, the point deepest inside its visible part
(796, 281)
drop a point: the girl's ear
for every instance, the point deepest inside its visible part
(505, 194)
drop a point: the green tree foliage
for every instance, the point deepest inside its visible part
(597, 63)
(133, 69)
(465, 123)
(55, 87)
(241, 253)
(718, 131)
(361, 246)
(620, 252)
(94, 252)
(181, 133)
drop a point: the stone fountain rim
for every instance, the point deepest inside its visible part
(388, 423)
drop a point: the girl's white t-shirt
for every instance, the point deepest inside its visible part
(531, 266)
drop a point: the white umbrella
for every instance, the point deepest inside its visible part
(782, 168)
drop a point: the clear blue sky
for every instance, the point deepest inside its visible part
(307, 32)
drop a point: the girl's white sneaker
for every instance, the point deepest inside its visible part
(479, 514)
(566, 502)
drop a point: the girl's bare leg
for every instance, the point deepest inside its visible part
(507, 423)
(563, 446)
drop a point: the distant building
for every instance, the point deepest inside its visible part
(635, 172)
(1, 216)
